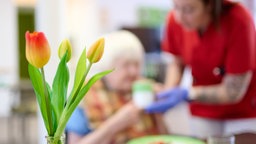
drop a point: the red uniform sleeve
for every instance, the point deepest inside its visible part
(241, 52)
(169, 42)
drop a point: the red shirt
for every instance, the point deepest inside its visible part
(229, 48)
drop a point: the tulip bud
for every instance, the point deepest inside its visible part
(96, 51)
(37, 49)
(65, 46)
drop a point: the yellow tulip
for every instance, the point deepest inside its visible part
(37, 49)
(65, 46)
(96, 51)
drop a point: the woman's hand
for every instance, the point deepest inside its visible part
(128, 115)
(168, 99)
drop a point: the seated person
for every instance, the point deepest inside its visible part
(107, 115)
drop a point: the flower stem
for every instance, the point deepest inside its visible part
(87, 71)
(48, 104)
(80, 85)
(66, 112)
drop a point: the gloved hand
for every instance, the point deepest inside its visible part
(167, 100)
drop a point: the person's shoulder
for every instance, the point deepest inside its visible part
(78, 115)
(78, 122)
(239, 14)
(172, 23)
(171, 18)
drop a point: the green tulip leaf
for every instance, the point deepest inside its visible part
(73, 105)
(59, 89)
(37, 82)
(88, 85)
(79, 75)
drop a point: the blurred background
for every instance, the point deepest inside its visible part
(81, 21)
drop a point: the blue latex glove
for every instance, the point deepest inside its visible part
(167, 100)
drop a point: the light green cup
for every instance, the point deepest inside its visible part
(142, 93)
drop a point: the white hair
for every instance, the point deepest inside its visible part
(119, 44)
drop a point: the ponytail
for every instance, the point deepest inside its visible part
(218, 8)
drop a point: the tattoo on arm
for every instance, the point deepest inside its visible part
(208, 96)
(231, 90)
(236, 85)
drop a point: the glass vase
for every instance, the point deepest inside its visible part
(55, 140)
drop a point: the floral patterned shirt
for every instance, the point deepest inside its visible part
(101, 103)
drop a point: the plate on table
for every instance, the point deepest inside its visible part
(165, 139)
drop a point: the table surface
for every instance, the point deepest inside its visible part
(246, 138)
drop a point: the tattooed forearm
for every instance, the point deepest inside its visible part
(230, 91)
(236, 85)
(208, 96)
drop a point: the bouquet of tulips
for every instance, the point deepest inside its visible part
(55, 104)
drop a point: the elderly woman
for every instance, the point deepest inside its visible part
(107, 115)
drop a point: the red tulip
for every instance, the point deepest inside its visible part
(37, 49)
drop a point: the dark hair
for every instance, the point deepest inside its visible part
(218, 8)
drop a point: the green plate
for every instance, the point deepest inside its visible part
(172, 139)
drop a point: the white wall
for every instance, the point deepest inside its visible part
(82, 17)
(8, 54)
(87, 19)
(120, 13)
